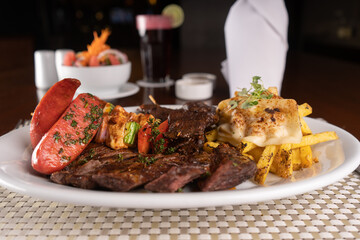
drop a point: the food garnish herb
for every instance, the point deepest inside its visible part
(170, 150)
(61, 150)
(68, 116)
(158, 144)
(146, 160)
(255, 93)
(74, 123)
(233, 104)
(57, 136)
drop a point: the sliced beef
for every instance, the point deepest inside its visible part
(93, 158)
(185, 122)
(187, 125)
(123, 170)
(178, 176)
(233, 169)
(199, 107)
(156, 110)
(144, 169)
(187, 146)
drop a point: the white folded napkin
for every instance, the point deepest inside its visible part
(256, 43)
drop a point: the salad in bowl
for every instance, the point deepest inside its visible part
(100, 68)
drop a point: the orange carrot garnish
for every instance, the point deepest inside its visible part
(97, 46)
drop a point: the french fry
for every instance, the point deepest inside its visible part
(296, 161)
(283, 159)
(304, 127)
(315, 138)
(246, 146)
(249, 156)
(210, 146)
(306, 156)
(264, 163)
(304, 110)
(211, 135)
(282, 164)
(256, 153)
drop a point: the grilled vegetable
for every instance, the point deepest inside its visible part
(131, 130)
(159, 143)
(144, 136)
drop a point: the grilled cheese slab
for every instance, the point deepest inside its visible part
(271, 122)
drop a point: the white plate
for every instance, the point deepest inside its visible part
(337, 159)
(125, 90)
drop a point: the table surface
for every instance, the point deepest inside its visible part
(330, 86)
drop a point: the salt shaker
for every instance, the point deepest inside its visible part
(45, 69)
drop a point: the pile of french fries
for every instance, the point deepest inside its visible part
(280, 160)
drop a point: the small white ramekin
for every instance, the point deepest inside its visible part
(201, 76)
(193, 89)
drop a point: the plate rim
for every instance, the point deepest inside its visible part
(108, 96)
(184, 200)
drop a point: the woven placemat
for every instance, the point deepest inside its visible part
(330, 212)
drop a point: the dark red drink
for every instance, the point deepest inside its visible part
(155, 46)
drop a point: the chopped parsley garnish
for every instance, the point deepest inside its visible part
(159, 145)
(158, 142)
(65, 159)
(74, 123)
(146, 160)
(82, 161)
(94, 116)
(70, 142)
(91, 153)
(57, 136)
(68, 116)
(61, 150)
(170, 150)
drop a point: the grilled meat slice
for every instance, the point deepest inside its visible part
(199, 107)
(186, 132)
(187, 146)
(178, 176)
(185, 123)
(144, 169)
(192, 120)
(156, 110)
(233, 169)
(93, 158)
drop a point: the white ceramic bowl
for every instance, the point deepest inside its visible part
(102, 79)
(193, 89)
(201, 76)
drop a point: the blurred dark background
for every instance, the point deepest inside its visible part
(325, 27)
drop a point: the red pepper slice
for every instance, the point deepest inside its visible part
(160, 143)
(144, 136)
(147, 141)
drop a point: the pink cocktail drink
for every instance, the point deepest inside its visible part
(155, 46)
